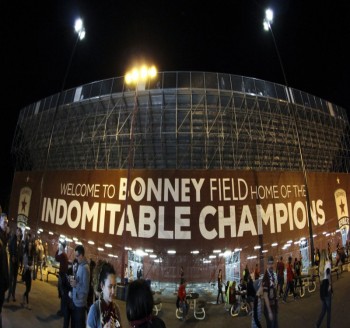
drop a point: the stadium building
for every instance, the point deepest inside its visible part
(194, 169)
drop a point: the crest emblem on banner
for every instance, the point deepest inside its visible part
(342, 209)
(23, 206)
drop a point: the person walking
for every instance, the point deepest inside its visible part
(182, 275)
(104, 311)
(220, 288)
(126, 274)
(280, 276)
(80, 284)
(290, 281)
(251, 293)
(67, 294)
(257, 313)
(256, 272)
(14, 253)
(62, 258)
(91, 295)
(246, 274)
(139, 272)
(40, 258)
(139, 306)
(4, 271)
(27, 276)
(46, 254)
(181, 299)
(270, 296)
(297, 272)
(131, 274)
(326, 292)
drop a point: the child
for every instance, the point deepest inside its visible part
(256, 317)
(181, 299)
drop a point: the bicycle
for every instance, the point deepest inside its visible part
(308, 281)
(192, 303)
(237, 304)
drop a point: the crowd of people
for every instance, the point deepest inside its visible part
(262, 292)
(86, 289)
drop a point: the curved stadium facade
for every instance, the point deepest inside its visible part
(226, 141)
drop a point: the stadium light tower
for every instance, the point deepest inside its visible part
(137, 77)
(267, 27)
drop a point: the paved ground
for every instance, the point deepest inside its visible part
(301, 313)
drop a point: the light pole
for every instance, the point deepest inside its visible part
(137, 77)
(80, 30)
(267, 27)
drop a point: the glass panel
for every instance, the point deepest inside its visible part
(197, 80)
(211, 81)
(249, 85)
(224, 82)
(184, 80)
(95, 89)
(106, 87)
(169, 80)
(297, 97)
(270, 89)
(237, 83)
(281, 92)
(260, 87)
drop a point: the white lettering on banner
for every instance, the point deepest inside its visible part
(228, 189)
(80, 190)
(165, 190)
(150, 221)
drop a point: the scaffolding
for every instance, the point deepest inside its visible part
(184, 120)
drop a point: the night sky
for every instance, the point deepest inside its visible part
(223, 36)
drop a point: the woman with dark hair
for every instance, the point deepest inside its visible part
(28, 267)
(139, 306)
(104, 312)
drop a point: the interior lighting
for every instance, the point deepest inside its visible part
(227, 253)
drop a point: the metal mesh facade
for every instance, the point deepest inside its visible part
(183, 120)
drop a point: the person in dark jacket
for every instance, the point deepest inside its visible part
(251, 292)
(220, 288)
(4, 272)
(326, 292)
(15, 249)
(62, 258)
(139, 306)
(28, 264)
(257, 306)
